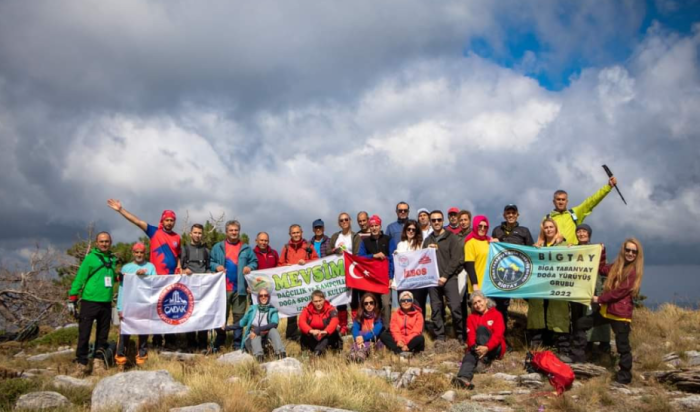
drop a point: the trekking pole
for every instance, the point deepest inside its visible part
(610, 174)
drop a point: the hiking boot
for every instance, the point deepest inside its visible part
(462, 383)
(282, 355)
(260, 358)
(141, 360)
(81, 370)
(98, 367)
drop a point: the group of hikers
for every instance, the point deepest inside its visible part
(461, 243)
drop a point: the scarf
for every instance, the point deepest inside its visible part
(475, 229)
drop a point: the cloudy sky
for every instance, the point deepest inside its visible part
(279, 112)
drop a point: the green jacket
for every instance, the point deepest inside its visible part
(565, 221)
(98, 266)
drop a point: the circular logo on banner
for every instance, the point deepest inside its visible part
(510, 269)
(403, 261)
(175, 304)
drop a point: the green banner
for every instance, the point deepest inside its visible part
(560, 273)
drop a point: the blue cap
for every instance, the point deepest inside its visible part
(318, 222)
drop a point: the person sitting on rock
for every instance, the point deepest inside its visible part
(485, 339)
(260, 325)
(318, 323)
(405, 334)
(366, 328)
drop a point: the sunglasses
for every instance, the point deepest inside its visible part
(632, 251)
(406, 301)
(402, 210)
(344, 220)
(368, 303)
(436, 220)
(411, 229)
(483, 226)
(263, 296)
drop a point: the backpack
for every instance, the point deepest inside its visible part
(560, 375)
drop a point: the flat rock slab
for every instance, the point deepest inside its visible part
(177, 355)
(487, 397)
(286, 366)
(687, 380)
(42, 401)
(410, 375)
(205, 407)
(132, 390)
(688, 403)
(308, 408)
(506, 377)
(235, 358)
(588, 370)
(449, 396)
(385, 373)
(45, 356)
(63, 381)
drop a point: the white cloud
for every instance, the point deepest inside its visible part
(356, 112)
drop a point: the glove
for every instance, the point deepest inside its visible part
(71, 309)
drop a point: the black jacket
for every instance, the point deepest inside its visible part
(519, 235)
(450, 252)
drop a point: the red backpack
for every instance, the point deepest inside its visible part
(560, 375)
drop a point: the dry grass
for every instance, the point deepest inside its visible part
(345, 386)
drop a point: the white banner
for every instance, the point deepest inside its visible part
(290, 287)
(173, 303)
(416, 270)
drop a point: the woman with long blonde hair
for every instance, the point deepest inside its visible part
(616, 302)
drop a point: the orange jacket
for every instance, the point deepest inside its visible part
(326, 319)
(291, 254)
(406, 326)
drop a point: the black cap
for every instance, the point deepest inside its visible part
(510, 206)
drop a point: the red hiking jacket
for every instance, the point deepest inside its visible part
(326, 319)
(406, 326)
(493, 320)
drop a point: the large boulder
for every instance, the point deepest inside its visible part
(691, 402)
(235, 358)
(308, 408)
(42, 400)
(131, 390)
(286, 366)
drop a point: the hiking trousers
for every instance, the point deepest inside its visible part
(92, 312)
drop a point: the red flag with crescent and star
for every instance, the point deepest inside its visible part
(371, 275)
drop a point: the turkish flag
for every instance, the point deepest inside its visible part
(367, 274)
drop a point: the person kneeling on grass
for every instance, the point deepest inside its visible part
(260, 325)
(366, 328)
(485, 339)
(406, 329)
(318, 323)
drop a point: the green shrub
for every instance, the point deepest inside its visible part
(64, 336)
(12, 389)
